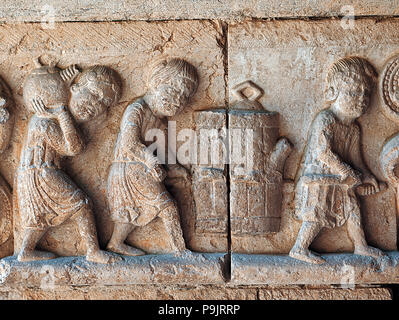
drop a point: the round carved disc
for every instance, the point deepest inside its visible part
(389, 88)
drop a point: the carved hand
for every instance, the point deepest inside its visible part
(159, 173)
(351, 177)
(370, 180)
(42, 111)
(149, 159)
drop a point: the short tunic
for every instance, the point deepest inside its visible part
(46, 195)
(320, 195)
(327, 204)
(134, 195)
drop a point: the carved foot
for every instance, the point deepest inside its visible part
(369, 251)
(306, 255)
(100, 256)
(35, 255)
(125, 250)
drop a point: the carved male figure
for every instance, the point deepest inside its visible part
(333, 168)
(6, 119)
(6, 126)
(46, 195)
(136, 192)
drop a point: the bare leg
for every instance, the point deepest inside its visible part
(356, 233)
(28, 251)
(171, 219)
(119, 235)
(87, 230)
(306, 235)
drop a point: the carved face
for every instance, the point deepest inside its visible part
(90, 98)
(353, 98)
(168, 99)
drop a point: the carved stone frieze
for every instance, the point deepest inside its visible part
(47, 196)
(138, 153)
(257, 181)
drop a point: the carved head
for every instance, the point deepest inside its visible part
(349, 85)
(171, 85)
(47, 83)
(93, 92)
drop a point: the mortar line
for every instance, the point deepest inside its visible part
(227, 20)
(225, 28)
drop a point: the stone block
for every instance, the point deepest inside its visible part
(76, 271)
(289, 61)
(343, 269)
(91, 10)
(129, 48)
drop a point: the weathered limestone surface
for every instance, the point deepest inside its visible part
(296, 55)
(139, 292)
(128, 48)
(340, 269)
(76, 271)
(197, 292)
(92, 10)
(288, 60)
(325, 294)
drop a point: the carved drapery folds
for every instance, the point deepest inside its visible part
(47, 196)
(233, 190)
(6, 126)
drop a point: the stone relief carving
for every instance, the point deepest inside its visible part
(256, 186)
(389, 160)
(389, 97)
(47, 196)
(136, 190)
(209, 180)
(333, 172)
(389, 88)
(222, 206)
(6, 125)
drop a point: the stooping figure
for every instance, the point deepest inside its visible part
(136, 190)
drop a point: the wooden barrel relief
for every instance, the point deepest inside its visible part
(256, 198)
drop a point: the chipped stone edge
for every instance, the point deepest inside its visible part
(19, 11)
(340, 269)
(193, 268)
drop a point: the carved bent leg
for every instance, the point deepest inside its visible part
(306, 235)
(356, 234)
(117, 242)
(171, 219)
(87, 230)
(28, 251)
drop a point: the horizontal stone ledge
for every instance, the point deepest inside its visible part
(108, 10)
(195, 268)
(194, 292)
(339, 269)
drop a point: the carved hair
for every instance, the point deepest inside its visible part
(168, 70)
(103, 76)
(351, 67)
